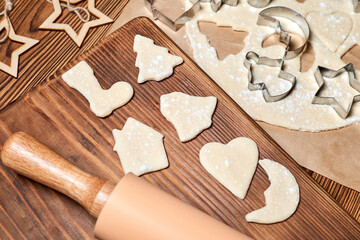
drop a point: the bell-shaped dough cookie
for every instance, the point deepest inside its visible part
(232, 164)
(140, 148)
(102, 102)
(190, 115)
(282, 197)
(154, 62)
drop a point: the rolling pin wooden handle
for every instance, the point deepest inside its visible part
(30, 158)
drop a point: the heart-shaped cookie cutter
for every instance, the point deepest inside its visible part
(322, 72)
(271, 62)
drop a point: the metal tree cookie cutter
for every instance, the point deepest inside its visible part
(267, 18)
(253, 57)
(322, 72)
(173, 24)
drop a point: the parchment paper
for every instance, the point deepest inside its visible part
(334, 154)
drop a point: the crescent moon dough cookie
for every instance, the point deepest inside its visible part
(190, 115)
(282, 197)
(232, 164)
(102, 102)
(154, 62)
(140, 148)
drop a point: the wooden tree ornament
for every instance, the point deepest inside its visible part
(27, 43)
(78, 38)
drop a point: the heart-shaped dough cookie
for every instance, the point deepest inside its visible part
(232, 164)
(331, 29)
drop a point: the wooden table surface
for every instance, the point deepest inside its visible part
(56, 49)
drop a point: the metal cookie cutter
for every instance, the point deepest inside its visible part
(322, 72)
(253, 57)
(259, 3)
(177, 23)
(216, 4)
(356, 4)
(267, 18)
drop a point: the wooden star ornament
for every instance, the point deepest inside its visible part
(78, 38)
(27, 43)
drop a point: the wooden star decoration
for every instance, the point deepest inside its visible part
(27, 43)
(49, 23)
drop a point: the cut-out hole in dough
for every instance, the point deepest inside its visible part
(102, 101)
(173, 10)
(282, 197)
(225, 40)
(295, 42)
(353, 56)
(301, 1)
(140, 148)
(307, 58)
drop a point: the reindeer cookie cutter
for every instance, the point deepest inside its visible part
(267, 18)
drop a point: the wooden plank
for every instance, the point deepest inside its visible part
(60, 117)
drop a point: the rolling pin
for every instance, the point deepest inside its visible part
(130, 209)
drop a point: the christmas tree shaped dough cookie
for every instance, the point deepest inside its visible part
(154, 62)
(232, 164)
(190, 115)
(102, 102)
(140, 148)
(282, 197)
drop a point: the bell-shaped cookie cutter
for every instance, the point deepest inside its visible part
(173, 24)
(253, 57)
(267, 18)
(322, 72)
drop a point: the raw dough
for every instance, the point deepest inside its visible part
(140, 148)
(295, 111)
(154, 62)
(102, 102)
(341, 25)
(233, 164)
(190, 115)
(282, 197)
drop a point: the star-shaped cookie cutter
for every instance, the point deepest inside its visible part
(267, 18)
(322, 72)
(173, 24)
(271, 62)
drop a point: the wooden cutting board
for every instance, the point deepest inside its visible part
(61, 118)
